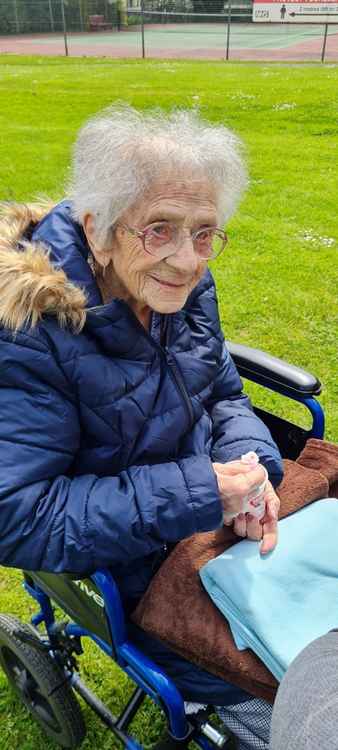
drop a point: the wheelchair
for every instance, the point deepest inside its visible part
(42, 667)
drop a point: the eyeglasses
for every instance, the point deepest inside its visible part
(163, 238)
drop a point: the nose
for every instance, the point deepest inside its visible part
(185, 258)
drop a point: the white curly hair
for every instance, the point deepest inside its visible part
(121, 152)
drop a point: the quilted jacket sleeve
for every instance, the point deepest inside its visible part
(50, 520)
(236, 428)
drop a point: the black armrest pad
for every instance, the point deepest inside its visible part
(264, 368)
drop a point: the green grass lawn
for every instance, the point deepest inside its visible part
(278, 280)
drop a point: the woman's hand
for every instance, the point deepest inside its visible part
(235, 481)
(266, 528)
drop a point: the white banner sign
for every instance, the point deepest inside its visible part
(294, 11)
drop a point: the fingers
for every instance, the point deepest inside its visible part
(235, 486)
(270, 522)
(235, 490)
(240, 525)
(240, 485)
(272, 502)
(248, 526)
(254, 476)
(231, 468)
(270, 537)
(254, 528)
(266, 529)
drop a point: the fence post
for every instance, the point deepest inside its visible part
(81, 15)
(142, 29)
(228, 30)
(324, 42)
(64, 26)
(17, 24)
(51, 15)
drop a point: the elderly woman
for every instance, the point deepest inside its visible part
(122, 415)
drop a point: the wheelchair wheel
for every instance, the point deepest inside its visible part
(40, 683)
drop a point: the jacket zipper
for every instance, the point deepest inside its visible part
(177, 377)
(180, 384)
(168, 357)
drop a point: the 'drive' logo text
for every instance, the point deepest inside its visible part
(90, 592)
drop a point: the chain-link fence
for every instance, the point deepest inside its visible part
(43, 16)
(189, 11)
(228, 23)
(204, 29)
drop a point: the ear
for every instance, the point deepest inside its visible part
(103, 257)
(89, 228)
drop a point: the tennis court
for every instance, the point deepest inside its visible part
(247, 41)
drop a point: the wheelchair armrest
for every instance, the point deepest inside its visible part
(273, 372)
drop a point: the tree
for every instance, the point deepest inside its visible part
(208, 6)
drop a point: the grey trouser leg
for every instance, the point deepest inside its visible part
(249, 721)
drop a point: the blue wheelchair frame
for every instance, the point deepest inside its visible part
(149, 679)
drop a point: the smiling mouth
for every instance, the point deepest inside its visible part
(168, 284)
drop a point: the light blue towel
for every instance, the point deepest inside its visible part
(277, 604)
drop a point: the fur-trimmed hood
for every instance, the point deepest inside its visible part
(30, 285)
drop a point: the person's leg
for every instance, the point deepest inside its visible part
(305, 714)
(249, 721)
(246, 717)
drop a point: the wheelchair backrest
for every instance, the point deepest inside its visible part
(77, 597)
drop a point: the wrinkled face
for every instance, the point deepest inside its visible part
(163, 285)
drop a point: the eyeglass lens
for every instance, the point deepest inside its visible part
(208, 242)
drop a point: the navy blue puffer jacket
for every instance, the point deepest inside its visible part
(107, 435)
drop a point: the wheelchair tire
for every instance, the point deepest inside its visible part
(40, 683)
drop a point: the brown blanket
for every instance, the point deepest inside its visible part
(177, 610)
